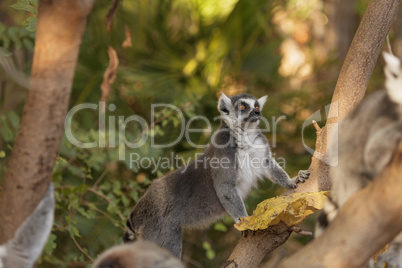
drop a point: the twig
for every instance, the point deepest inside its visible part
(110, 14)
(80, 248)
(107, 199)
(389, 45)
(300, 231)
(103, 213)
(100, 178)
(316, 126)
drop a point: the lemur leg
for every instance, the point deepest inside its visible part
(278, 175)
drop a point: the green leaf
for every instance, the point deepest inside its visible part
(34, 3)
(124, 199)
(73, 231)
(14, 119)
(206, 245)
(210, 254)
(24, 5)
(116, 186)
(5, 130)
(134, 195)
(220, 227)
(2, 154)
(30, 24)
(50, 244)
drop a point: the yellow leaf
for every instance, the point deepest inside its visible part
(291, 210)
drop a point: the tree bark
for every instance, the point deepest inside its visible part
(349, 91)
(253, 247)
(59, 31)
(367, 221)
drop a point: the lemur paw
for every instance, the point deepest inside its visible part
(291, 185)
(303, 175)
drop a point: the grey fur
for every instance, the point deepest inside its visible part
(202, 193)
(368, 137)
(25, 248)
(140, 254)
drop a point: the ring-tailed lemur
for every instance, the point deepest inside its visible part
(25, 248)
(215, 183)
(139, 254)
(367, 140)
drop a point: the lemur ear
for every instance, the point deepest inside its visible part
(262, 100)
(393, 63)
(224, 104)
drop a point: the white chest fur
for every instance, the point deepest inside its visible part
(251, 154)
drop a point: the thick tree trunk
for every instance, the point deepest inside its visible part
(349, 91)
(369, 219)
(59, 31)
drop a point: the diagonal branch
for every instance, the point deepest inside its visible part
(357, 232)
(349, 91)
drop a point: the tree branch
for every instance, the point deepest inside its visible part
(59, 30)
(361, 221)
(349, 91)
(252, 249)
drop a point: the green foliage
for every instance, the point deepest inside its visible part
(209, 252)
(220, 227)
(9, 124)
(16, 37)
(29, 6)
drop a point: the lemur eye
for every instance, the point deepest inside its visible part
(242, 107)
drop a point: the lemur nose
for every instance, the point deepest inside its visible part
(257, 112)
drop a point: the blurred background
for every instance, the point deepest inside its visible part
(185, 53)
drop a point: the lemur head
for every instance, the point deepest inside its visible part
(393, 77)
(242, 109)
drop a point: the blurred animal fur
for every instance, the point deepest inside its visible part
(368, 137)
(25, 248)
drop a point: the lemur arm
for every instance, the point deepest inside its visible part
(277, 175)
(224, 181)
